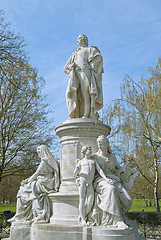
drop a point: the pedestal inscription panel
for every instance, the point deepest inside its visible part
(67, 161)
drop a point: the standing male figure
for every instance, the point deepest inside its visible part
(84, 174)
(84, 92)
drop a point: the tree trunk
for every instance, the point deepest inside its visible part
(156, 195)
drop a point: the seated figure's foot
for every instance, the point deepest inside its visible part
(121, 225)
(13, 219)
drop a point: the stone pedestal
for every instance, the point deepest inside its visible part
(65, 232)
(73, 134)
(65, 208)
(20, 231)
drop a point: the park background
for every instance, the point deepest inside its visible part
(128, 34)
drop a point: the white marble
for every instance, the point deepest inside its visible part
(20, 231)
(57, 232)
(74, 134)
(112, 200)
(84, 92)
(84, 174)
(64, 208)
(98, 199)
(33, 203)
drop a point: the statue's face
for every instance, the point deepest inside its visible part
(103, 145)
(88, 152)
(80, 41)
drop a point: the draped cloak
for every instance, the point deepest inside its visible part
(32, 198)
(114, 200)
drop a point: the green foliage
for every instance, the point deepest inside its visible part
(137, 116)
(137, 206)
(5, 207)
(140, 205)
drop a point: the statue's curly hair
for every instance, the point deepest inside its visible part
(84, 149)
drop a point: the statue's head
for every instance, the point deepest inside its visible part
(45, 154)
(82, 40)
(87, 149)
(103, 143)
(43, 151)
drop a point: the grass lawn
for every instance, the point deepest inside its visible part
(12, 208)
(139, 206)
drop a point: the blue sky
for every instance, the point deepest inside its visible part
(127, 32)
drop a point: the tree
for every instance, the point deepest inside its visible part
(10, 186)
(138, 112)
(24, 122)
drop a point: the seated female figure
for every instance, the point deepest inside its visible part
(32, 199)
(111, 198)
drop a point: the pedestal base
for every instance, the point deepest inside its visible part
(65, 208)
(57, 232)
(20, 231)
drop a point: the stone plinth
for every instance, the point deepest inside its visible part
(20, 231)
(53, 232)
(65, 208)
(74, 134)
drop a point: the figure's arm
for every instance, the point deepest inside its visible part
(77, 170)
(37, 173)
(69, 65)
(102, 174)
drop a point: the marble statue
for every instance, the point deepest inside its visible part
(84, 92)
(112, 201)
(93, 189)
(84, 174)
(33, 203)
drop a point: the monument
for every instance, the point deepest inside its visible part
(85, 195)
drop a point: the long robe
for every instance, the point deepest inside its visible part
(33, 203)
(112, 200)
